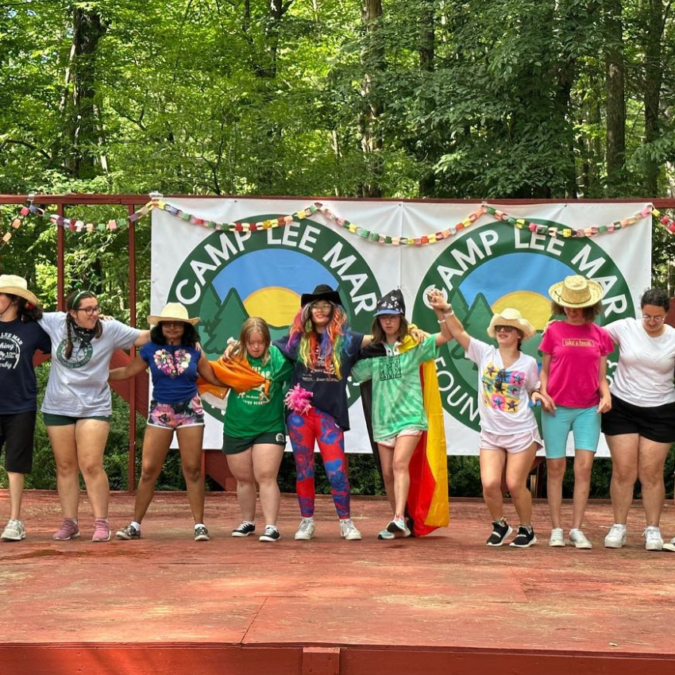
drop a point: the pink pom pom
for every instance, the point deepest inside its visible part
(532, 227)
(298, 400)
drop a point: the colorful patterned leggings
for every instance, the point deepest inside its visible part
(320, 427)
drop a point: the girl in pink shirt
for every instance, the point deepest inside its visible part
(573, 376)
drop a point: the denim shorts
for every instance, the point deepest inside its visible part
(176, 415)
(584, 423)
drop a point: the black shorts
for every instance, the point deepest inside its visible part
(656, 423)
(16, 434)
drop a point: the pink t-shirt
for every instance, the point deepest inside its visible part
(574, 374)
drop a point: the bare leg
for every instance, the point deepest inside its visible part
(387, 464)
(583, 465)
(624, 451)
(555, 469)
(90, 438)
(15, 494)
(491, 469)
(403, 452)
(156, 445)
(266, 462)
(518, 467)
(190, 444)
(241, 466)
(652, 458)
(62, 439)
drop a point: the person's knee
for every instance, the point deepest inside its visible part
(192, 472)
(650, 478)
(150, 472)
(516, 487)
(555, 470)
(91, 468)
(625, 474)
(400, 466)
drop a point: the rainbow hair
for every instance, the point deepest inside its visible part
(312, 346)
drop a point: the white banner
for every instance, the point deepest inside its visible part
(226, 277)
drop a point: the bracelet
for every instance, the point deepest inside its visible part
(449, 312)
(441, 321)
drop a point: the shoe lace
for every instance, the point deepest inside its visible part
(616, 531)
(305, 525)
(651, 532)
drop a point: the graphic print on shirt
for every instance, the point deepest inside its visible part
(390, 368)
(501, 388)
(82, 353)
(170, 364)
(10, 351)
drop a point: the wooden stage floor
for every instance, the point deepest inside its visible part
(442, 604)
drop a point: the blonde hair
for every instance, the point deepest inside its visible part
(253, 324)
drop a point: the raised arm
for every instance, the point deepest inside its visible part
(142, 339)
(133, 368)
(448, 321)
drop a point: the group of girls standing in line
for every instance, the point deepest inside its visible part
(314, 362)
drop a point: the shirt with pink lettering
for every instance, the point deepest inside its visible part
(574, 373)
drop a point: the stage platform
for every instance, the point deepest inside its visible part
(443, 604)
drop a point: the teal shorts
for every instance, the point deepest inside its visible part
(52, 420)
(584, 424)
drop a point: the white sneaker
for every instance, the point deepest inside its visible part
(14, 531)
(557, 537)
(348, 530)
(653, 540)
(670, 546)
(306, 530)
(578, 538)
(616, 537)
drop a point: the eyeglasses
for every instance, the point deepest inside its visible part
(90, 310)
(506, 329)
(172, 324)
(324, 306)
(655, 319)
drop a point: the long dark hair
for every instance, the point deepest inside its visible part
(26, 311)
(73, 302)
(190, 335)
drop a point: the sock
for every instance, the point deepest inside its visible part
(249, 522)
(272, 527)
(136, 526)
(623, 527)
(199, 525)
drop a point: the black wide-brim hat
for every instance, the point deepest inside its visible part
(321, 292)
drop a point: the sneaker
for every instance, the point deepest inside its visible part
(348, 530)
(270, 534)
(525, 537)
(653, 540)
(398, 528)
(244, 529)
(578, 538)
(14, 531)
(306, 530)
(68, 530)
(201, 533)
(128, 533)
(557, 537)
(386, 534)
(616, 538)
(101, 530)
(500, 530)
(670, 546)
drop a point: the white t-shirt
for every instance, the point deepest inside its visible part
(644, 376)
(78, 387)
(504, 394)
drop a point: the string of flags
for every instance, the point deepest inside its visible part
(157, 202)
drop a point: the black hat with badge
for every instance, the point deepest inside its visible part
(391, 303)
(321, 292)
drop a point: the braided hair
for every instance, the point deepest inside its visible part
(73, 302)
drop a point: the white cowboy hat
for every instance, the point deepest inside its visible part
(13, 285)
(173, 311)
(576, 292)
(511, 317)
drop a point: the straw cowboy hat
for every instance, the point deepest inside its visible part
(576, 292)
(173, 311)
(321, 292)
(13, 285)
(511, 317)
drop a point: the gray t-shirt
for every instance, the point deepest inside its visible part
(78, 387)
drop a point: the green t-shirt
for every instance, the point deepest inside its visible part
(397, 389)
(252, 412)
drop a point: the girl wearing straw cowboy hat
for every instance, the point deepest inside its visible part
(78, 405)
(574, 376)
(509, 438)
(20, 338)
(175, 360)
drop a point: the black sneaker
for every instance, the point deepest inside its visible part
(129, 532)
(243, 530)
(500, 530)
(201, 533)
(525, 537)
(270, 534)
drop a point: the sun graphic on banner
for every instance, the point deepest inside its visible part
(275, 304)
(533, 306)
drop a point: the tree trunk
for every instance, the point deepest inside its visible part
(83, 133)
(653, 80)
(616, 96)
(427, 55)
(372, 59)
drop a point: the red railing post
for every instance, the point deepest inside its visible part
(132, 383)
(60, 262)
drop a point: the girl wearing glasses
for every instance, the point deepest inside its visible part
(324, 351)
(77, 406)
(509, 438)
(574, 376)
(640, 427)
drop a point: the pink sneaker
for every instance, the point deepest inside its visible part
(68, 530)
(101, 530)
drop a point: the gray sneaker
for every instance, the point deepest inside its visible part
(14, 531)
(201, 533)
(128, 533)
(306, 530)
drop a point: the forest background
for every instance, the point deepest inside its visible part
(481, 99)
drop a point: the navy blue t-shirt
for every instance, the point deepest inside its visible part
(18, 343)
(329, 393)
(173, 369)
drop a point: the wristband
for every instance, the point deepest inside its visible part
(448, 312)
(441, 321)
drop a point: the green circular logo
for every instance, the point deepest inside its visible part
(494, 267)
(231, 276)
(82, 352)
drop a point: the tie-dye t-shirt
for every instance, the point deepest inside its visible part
(504, 393)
